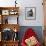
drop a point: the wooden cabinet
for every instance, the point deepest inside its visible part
(9, 23)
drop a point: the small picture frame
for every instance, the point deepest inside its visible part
(30, 13)
(5, 12)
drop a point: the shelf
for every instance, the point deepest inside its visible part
(11, 41)
(10, 26)
(5, 8)
(9, 10)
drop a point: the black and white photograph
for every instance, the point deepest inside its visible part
(30, 13)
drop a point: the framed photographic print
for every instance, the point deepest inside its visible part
(30, 13)
(5, 12)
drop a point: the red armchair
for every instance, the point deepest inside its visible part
(28, 34)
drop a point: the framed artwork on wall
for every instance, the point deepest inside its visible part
(5, 12)
(30, 13)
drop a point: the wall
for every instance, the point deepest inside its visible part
(22, 21)
(27, 3)
(37, 29)
(39, 13)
